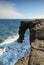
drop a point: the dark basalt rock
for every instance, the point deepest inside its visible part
(36, 28)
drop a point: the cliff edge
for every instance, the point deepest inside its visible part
(36, 27)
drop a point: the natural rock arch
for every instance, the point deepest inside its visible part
(23, 27)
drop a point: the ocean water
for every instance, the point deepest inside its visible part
(8, 28)
(10, 50)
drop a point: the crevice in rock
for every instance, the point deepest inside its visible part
(38, 49)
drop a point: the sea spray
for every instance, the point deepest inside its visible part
(10, 40)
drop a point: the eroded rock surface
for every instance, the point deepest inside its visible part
(23, 61)
(36, 27)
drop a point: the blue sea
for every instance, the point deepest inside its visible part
(10, 50)
(8, 28)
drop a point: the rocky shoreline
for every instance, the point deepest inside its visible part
(36, 57)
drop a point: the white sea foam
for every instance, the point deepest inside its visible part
(1, 51)
(10, 40)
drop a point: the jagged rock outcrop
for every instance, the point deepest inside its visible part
(36, 27)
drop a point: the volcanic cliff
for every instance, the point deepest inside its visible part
(36, 56)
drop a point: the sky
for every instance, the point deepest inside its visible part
(21, 9)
